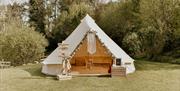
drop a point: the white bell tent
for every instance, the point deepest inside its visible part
(52, 65)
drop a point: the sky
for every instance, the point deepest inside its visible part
(6, 2)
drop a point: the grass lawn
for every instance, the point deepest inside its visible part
(150, 76)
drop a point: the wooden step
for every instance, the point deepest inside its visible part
(118, 71)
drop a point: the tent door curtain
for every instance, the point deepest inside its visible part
(91, 44)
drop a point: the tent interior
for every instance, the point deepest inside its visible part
(98, 63)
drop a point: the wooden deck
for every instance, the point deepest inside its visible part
(93, 70)
(75, 74)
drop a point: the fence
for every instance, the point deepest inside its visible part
(4, 64)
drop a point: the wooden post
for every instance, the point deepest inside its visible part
(65, 71)
(65, 57)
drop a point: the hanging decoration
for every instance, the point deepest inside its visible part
(91, 42)
(63, 53)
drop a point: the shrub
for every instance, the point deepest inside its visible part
(176, 61)
(21, 45)
(132, 44)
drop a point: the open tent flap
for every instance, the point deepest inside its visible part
(75, 38)
(91, 42)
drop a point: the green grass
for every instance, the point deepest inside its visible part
(150, 76)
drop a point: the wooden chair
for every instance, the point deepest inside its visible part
(89, 63)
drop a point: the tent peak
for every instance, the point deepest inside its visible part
(87, 19)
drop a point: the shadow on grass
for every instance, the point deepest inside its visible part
(104, 76)
(147, 65)
(34, 70)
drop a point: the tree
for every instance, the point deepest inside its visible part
(118, 19)
(37, 15)
(159, 22)
(10, 13)
(67, 21)
(20, 44)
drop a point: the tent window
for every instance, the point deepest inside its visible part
(118, 61)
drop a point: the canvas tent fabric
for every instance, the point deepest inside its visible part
(75, 38)
(91, 42)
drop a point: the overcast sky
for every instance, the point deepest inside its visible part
(6, 2)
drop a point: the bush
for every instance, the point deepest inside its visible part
(152, 41)
(21, 45)
(132, 44)
(165, 59)
(176, 61)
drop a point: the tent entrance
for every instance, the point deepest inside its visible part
(98, 63)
